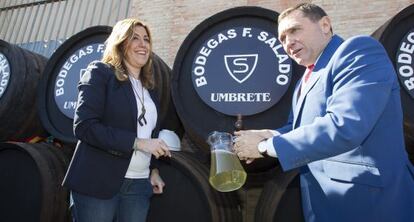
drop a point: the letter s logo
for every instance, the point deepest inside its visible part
(238, 66)
(240, 62)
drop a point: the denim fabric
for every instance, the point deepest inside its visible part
(131, 203)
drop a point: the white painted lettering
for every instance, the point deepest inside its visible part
(271, 42)
(67, 66)
(89, 49)
(63, 73)
(231, 33)
(201, 60)
(410, 37)
(408, 48)
(201, 81)
(246, 32)
(59, 92)
(60, 82)
(404, 58)
(409, 83)
(240, 97)
(282, 57)
(284, 68)
(282, 79)
(81, 54)
(73, 59)
(100, 48)
(405, 71)
(3, 82)
(212, 43)
(199, 70)
(221, 38)
(205, 51)
(262, 36)
(241, 62)
(69, 105)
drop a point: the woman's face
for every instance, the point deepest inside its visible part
(138, 49)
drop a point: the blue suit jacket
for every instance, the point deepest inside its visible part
(345, 134)
(105, 124)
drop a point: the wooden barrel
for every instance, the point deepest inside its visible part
(188, 195)
(168, 114)
(409, 140)
(58, 88)
(232, 63)
(280, 200)
(20, 72)
(397, 37)
(30, 188)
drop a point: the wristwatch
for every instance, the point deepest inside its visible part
(262, 148)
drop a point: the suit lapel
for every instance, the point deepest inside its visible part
(317, 71)
(154, 96)
(295, 94)
(313, 79)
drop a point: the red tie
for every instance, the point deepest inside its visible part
(308, 72)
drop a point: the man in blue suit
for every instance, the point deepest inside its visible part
(345, 130)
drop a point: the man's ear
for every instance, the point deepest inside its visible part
(325, 24)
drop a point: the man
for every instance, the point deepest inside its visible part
(345, 129)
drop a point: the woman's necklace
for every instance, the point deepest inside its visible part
(141, 118)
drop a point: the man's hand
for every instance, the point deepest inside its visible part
(246, 143)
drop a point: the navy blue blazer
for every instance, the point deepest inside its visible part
(105, 125)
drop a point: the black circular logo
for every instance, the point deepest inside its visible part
(405, 64)
(4, 74)
(241, 70)
(65, 90)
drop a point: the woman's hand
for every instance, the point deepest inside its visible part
(156, 147)
(156, 182)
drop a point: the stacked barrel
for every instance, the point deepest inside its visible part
(20, 73)
(232, 65)
(397, 37)
(39, 95)
(30, 173)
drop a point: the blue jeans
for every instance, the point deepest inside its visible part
(131, 203)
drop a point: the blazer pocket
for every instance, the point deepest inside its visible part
(354, 173)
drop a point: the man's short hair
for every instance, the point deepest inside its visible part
(311, 11)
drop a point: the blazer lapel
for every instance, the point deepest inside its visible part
(313, 79)
(319, 68)
(154, 96)
(132, 102)
(295, 94)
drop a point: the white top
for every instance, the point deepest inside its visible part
(139, 165)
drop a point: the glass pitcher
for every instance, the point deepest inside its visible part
(226, 172)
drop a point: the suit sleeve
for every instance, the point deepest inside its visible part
(362, 78)
(288, 127)
(90, 111)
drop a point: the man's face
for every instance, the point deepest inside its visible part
(303, 39)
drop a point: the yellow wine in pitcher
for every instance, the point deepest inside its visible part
(226, 172)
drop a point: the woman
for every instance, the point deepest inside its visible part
(112, 173)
